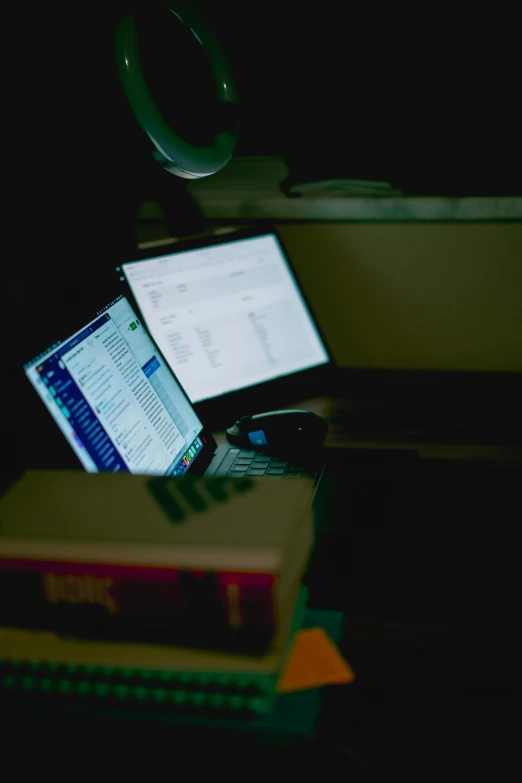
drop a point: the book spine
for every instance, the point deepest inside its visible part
(59, 595)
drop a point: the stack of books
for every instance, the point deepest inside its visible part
(178, 597)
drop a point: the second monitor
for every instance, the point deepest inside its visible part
(231, 320)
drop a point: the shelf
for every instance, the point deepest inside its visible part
(249, 189)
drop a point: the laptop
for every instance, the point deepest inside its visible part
(232, 322)
(122, 409)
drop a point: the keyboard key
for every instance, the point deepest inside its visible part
(275, 471)
(237, 472)
(243, 461)
(227, 462)
(277, 463)
(247, 453)
(256, 472)
(261, 460)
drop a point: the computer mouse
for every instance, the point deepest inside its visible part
(278, 429)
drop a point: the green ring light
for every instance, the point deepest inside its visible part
(174, 153)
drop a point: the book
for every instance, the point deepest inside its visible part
(162, 558)
(187, 682)
(292, 716)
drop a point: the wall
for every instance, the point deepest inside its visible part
(415, 296)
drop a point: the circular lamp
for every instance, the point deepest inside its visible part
(171, 148)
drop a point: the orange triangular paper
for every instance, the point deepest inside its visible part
(314, 660)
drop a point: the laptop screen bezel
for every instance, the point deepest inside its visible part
(222, 410)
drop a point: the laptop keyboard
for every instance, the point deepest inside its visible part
(243, 462)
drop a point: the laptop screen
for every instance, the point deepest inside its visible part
(227, 316)
(115, 400)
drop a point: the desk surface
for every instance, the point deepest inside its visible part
(441, 415)
(422, 556)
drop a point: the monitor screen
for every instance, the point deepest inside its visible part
(227, 316)
(117, 403)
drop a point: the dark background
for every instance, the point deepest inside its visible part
(425, 99)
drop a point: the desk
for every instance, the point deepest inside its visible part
(441, 415)
(423, 557)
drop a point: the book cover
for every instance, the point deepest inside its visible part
(103, 553)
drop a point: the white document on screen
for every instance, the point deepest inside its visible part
(226, 317)
(133, 416)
